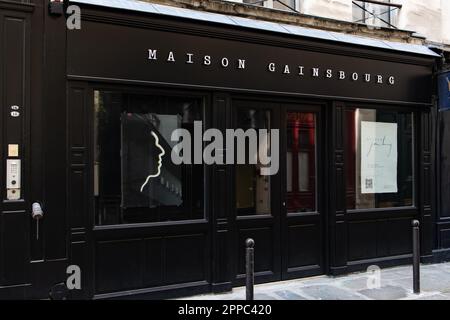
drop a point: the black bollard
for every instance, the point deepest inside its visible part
(249, 268)
(416, 256)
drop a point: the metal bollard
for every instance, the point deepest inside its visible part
(416, 256)
(249, 269)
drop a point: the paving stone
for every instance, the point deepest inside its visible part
(436, 273)
(392, 274)
(289, 295)
(355, 284)
(406, 283)
(263, 296)
(396, 284)
(406, 273)
(428, 282)
(385, 293)
(318, 280)
(361, 283)
(327, 292)
(435, 283)
(445, 267)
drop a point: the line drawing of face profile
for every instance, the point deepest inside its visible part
(160, 156)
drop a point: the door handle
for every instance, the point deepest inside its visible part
(36, 211)
(37, 214)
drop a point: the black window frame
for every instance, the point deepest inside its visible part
(205, 98)
(357, 4)
(417, 197)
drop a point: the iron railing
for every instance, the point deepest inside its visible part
(361, 4)
(377, 16)
(261, 2)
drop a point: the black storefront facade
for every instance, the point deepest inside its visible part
(77, 108)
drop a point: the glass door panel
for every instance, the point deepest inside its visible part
(301, 162)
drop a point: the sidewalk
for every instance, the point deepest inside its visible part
(396, 284)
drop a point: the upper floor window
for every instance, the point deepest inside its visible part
(379, 13)
(288, 5)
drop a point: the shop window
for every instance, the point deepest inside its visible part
(379, 159)
(252, 188)
(135, 180)
(301, 162)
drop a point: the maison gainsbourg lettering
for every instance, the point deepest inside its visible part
(271, 67)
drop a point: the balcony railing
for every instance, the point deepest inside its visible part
(288, 5)
(375, 12)
(378, 13)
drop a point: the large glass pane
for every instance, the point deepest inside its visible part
(253, 188)
(135, 180)
(358, 11)
(379, 159)
(254, 2)
(374, 14)
(379, 15)
(288, 5)
(301, 162)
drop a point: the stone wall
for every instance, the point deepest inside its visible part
(333, 9)
(333, 15)
(430, 18)
(417, 20)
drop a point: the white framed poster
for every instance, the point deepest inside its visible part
(379, 157)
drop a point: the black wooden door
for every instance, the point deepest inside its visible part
(33, 256)
(256, 198)
(302, 212)
(14, 154)
(283, 212)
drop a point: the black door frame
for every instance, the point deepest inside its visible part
(280, 105)
(254, 224)
(303, 219)
(80, 128)
(394, 221)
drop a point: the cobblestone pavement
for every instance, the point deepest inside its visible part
(396, 284)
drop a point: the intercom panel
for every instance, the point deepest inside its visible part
(13, 174)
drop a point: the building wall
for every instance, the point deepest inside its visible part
(430, 18)
(320, 14)
(333, 9)
(445, 7)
